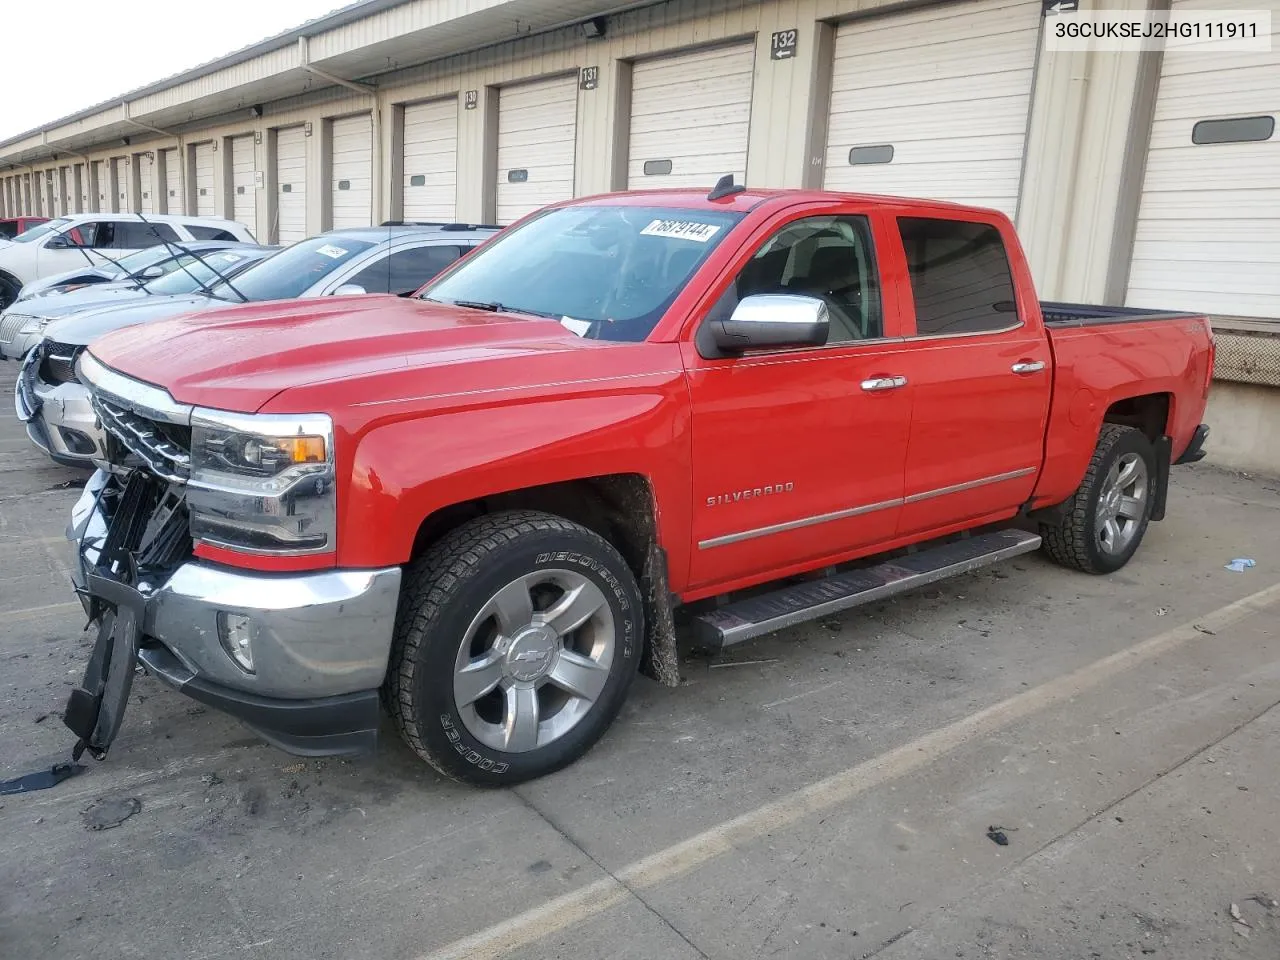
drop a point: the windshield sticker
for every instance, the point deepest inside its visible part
(681, 230)
(577, 327)
(230, 258)
(329, 250)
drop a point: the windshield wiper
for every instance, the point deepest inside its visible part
(494, 307)
(205, 287)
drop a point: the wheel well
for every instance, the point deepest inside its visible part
(619, 507)
(1149, 413)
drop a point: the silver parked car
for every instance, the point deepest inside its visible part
(22, 326)
(396, 259)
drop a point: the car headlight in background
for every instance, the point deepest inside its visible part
(262, 483)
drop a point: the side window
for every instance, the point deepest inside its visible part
(85, 234)
(830, 258)
(406, 270)
(210, 233)
(136, 235)
(960, 277)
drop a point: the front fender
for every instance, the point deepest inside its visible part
(404, 471)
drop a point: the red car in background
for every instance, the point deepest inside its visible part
(10, 227)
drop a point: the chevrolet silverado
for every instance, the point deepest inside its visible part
(482, 505)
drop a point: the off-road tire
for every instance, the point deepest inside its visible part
(1072, 541)
(443, 591)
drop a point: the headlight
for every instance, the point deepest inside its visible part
(262, 483)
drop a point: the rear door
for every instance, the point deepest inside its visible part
(978, 368)
(793, 460)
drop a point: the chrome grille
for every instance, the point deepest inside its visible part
(162, 447)
(10, 324)
(58, 362)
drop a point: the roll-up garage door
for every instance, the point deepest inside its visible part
(99, 188)
(291, 185)
(175, 202)
(66, 189)
(690, 117)
(537, 134)
(146, 183)
(934, 102)
(244, 202)
(206, 201)
(1208, 235)
(124, 195)
(80, 185)
(352, 181)
(431, 160)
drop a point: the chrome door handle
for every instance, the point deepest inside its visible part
(1028, 366)
(880, 384)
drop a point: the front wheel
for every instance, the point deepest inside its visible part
(9, 291)
(517, 638)
(1106, 519)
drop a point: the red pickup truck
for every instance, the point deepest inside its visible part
(482, 505)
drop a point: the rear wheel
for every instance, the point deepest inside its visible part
(517, 638)
(1104, 523)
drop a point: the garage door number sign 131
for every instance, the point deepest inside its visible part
(783, 45)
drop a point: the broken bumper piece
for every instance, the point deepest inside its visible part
(297, 657)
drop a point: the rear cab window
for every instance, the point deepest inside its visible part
(961, 280)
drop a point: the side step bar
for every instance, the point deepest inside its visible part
(765, 613)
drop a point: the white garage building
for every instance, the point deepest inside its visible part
(1147, 179)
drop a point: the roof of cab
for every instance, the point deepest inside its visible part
(752, 197)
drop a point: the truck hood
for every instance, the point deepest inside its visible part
(240, 357)
(96, 319)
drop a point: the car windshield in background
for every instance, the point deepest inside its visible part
(190, 274)
(139, 261)
(38, 231)
(606, 272)
(293, 271)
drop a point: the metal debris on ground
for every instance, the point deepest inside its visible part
(1241, 564)
(41, 779)
(1235, 915)
(742, 663)
(106, 814)
(998, 836)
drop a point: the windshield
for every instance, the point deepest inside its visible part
(137, 262)
(291, 272)
(36, 232)
(606, 272)
(190, 274)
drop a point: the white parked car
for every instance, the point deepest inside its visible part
(92, 238)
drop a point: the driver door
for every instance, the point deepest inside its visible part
(799, 454)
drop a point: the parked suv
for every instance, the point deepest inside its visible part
(395, 259)
(91, 238)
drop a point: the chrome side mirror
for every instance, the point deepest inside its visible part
(350, 290)
(772, 321)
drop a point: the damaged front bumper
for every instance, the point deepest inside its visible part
(318, 642)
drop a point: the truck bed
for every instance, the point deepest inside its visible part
(1088, 315)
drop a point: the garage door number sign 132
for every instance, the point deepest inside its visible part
(783, 45)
